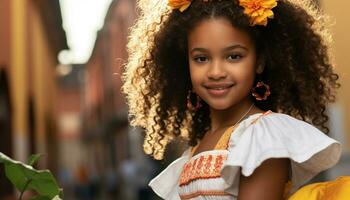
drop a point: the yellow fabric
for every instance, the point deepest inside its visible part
(338, 189)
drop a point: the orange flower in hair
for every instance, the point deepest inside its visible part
(179, 4)
(258, 10)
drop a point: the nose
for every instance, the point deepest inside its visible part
(216, 71)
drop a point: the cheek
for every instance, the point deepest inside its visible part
(244, 80)
(196, 75)
(242, 72)
(245, 77)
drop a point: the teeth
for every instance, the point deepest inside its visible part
(218, 88)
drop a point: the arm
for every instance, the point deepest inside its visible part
(267, 182)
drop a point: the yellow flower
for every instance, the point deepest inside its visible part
(179, 4)
(258, 10)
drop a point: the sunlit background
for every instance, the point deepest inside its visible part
(60, 67)
(81, 21)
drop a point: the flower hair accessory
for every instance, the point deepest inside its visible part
(182, 5)
(258, 10)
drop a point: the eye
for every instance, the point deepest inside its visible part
(200, 59)
(234, 57)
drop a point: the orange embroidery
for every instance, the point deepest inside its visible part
(209, 166)
(204, 193)
(194, 164)
(200, 164)
(218, 164)
(204, 167)
(188, 169)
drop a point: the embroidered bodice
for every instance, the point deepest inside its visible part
(215, 174)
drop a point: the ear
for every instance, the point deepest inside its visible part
(260, 69)
(260, 65)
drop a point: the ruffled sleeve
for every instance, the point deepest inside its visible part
(278, 135)
(165, 184)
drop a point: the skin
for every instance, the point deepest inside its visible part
(222, 54)
(210, 63)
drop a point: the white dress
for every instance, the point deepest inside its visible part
(215, 174)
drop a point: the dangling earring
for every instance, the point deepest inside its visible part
(189, 101)
(261, 91)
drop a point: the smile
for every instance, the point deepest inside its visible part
(218, 90)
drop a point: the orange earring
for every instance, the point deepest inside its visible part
(261, 91)
(189, 101)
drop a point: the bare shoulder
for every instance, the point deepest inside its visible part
(267, 182)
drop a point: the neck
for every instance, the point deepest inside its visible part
(230, 116)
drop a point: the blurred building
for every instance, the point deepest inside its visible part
(105, 117)
(30, 38)
(69, 109)
(104, 105)
(114, 150)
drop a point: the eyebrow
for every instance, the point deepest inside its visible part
(225, 49)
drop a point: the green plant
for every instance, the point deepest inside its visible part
(24, 177)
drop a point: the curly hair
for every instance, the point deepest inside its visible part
(294, 44)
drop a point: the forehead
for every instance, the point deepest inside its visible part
(217, 33)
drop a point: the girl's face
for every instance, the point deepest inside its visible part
(222, 62)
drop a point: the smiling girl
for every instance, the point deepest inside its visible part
(246, 82)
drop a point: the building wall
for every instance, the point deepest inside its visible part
(33, 77)
(5, 106)
(28, 59)
(5, 130)
(69, 128)
(4, 33)
(18, 77)
(43, 82)
(105, 126)
(104, 65)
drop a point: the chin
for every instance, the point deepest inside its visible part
(219, 106)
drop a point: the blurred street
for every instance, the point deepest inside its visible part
(64, 101)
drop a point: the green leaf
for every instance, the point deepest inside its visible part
(5, 159)
(34, 159)
(42, 181)
(14, 169)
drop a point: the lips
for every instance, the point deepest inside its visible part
(218, 86)
(218, 89)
